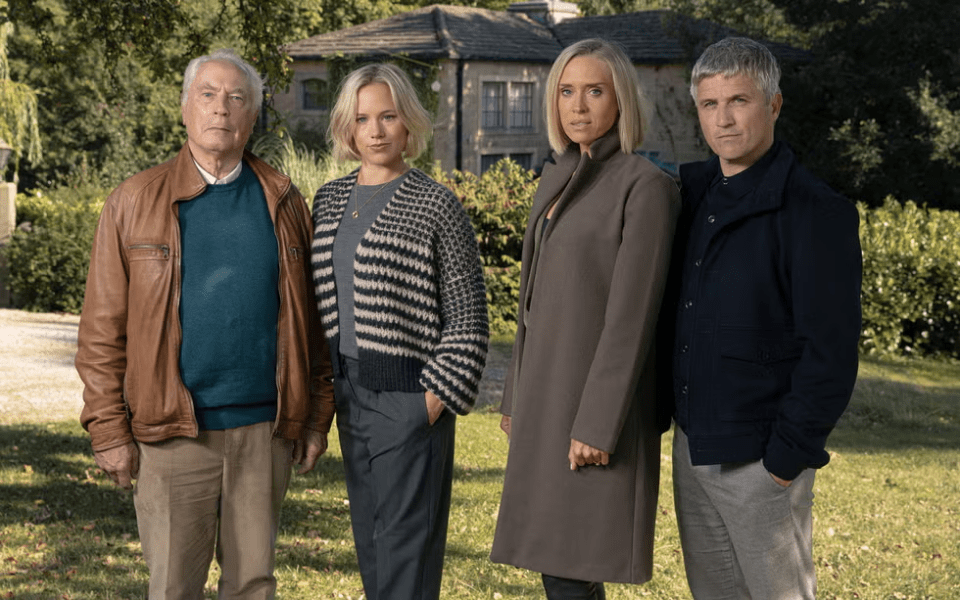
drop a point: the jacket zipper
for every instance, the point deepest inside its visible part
(280, 278)
(162, 247)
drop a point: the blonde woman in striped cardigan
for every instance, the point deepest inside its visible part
(403, 305)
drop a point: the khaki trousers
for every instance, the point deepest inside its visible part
(218, 493)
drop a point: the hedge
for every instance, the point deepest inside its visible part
(911, 280)
(49, 253)
(911, 267)
(498, 203)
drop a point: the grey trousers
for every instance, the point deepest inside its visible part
(744, 536)
(399, 473)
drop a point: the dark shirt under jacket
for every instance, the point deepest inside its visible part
(765, 289)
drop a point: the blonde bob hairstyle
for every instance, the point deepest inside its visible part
(344, 115)
(626, 84)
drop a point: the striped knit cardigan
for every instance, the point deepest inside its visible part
(419, 297)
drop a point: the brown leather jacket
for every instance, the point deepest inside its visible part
(129, 338)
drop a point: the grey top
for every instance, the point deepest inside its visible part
(371, 200)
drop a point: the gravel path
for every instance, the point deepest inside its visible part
(38, 381)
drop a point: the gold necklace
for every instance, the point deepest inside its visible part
(356, 200)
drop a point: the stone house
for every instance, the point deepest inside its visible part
(490, 68)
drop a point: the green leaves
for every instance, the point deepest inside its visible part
(498, 203)
(911, 280)
(49, 254)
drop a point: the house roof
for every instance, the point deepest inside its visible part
(657, 36)
(441, 31)
(438, 31)
(648, 37)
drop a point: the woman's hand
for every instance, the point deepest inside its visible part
(581, 454)
(434, 406)
(505, 425)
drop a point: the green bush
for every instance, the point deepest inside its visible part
(49, 253)
(498, 203)
(911, 280)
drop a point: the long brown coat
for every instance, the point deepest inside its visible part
(583, 367)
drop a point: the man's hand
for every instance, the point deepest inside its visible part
(505, 425)
(581, 454)
(782, 482)
(121, 464)
(434, 406)
(308, 450)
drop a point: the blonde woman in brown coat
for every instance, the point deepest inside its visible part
(579, 409)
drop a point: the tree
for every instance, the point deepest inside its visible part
(107, 73)
(875, 112)
(19, 126)
(589, 8)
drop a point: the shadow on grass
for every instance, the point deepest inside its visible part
(886, 415)
(64, 527)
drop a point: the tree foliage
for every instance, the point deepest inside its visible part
(107, 73)
(19, 126)
(876, 112)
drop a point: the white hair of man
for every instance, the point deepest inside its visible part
(254, 81)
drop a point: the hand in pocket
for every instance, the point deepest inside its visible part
(434, 406)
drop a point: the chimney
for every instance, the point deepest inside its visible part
(547, 12)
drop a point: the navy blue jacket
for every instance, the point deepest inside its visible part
(763, 344)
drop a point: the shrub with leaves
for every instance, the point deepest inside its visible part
(49, 253)
(498, 203)
(911, 280)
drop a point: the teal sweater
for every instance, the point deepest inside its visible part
(229, 304)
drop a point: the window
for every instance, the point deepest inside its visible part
(488, 160)
(506, 105)
(521, 105)
(492, 107)
(314, 92)
(524, 159)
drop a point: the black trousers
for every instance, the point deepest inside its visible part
(558, 588)
(399, 471)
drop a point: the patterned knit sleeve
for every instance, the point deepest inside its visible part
(453, 372)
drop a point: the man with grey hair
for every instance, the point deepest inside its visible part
(762, 321)
(205, 374)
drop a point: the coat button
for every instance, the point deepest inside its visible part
(684, 348)
(711, 219)
(688, 304)
(683, 390)
(698, 262)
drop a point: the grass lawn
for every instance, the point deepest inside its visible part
(887, 513)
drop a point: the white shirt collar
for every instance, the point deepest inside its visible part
(211, 180)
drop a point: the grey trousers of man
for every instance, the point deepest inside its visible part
(744, 536)
(399, 472)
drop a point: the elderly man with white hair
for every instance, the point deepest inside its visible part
(205, 374)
